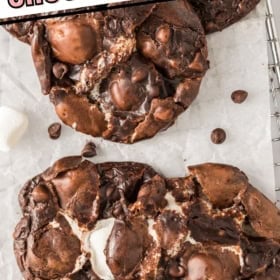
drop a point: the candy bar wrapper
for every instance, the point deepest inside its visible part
(238, 60)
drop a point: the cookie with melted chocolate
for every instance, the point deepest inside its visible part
(125, 221)
(123, 74)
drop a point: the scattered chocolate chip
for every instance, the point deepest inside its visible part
(54, 130)
(89, 150)
(218, 136)
(239, 96)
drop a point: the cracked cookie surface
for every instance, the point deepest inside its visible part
(123, 220)
(123, 74)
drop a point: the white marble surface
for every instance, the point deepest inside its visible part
(238, 61)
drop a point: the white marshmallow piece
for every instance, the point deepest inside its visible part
(98, 241)
(13, 125)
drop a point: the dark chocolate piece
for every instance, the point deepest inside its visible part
(239, 96)
(219, 14)
(126, 246)
(123, 74)
(54, 130)
(89, 150)
(211, 224)
(218, 136)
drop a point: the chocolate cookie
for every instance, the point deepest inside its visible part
(219, 14)
(125, 221)
(123, 74)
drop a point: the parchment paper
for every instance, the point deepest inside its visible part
(238, 58)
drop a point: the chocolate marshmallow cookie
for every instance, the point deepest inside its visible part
(219, 14)
(88, 221)
(123, 74)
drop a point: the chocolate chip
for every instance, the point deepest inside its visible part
(40, 193)
(76, 42)
(125, 247)
(59, 70)
(163, 34)
(139, 75)
(163, 114)
(176, 271)
(89, 150)
(218, 136)
(239, 96)
(54, 130)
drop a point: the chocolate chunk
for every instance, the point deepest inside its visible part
(239, 96)
(125, 73)
(40, 194)
(126, 247)
(218, 136)
(205, 228)
(89, 150)
(76, 185)
(217, 15)
(78, 112)
(54, 130)
(122, 220)
(151, 196)
(76, 42)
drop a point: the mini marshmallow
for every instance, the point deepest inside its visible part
(13, 125)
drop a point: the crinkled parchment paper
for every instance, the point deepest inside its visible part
(238, 58)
